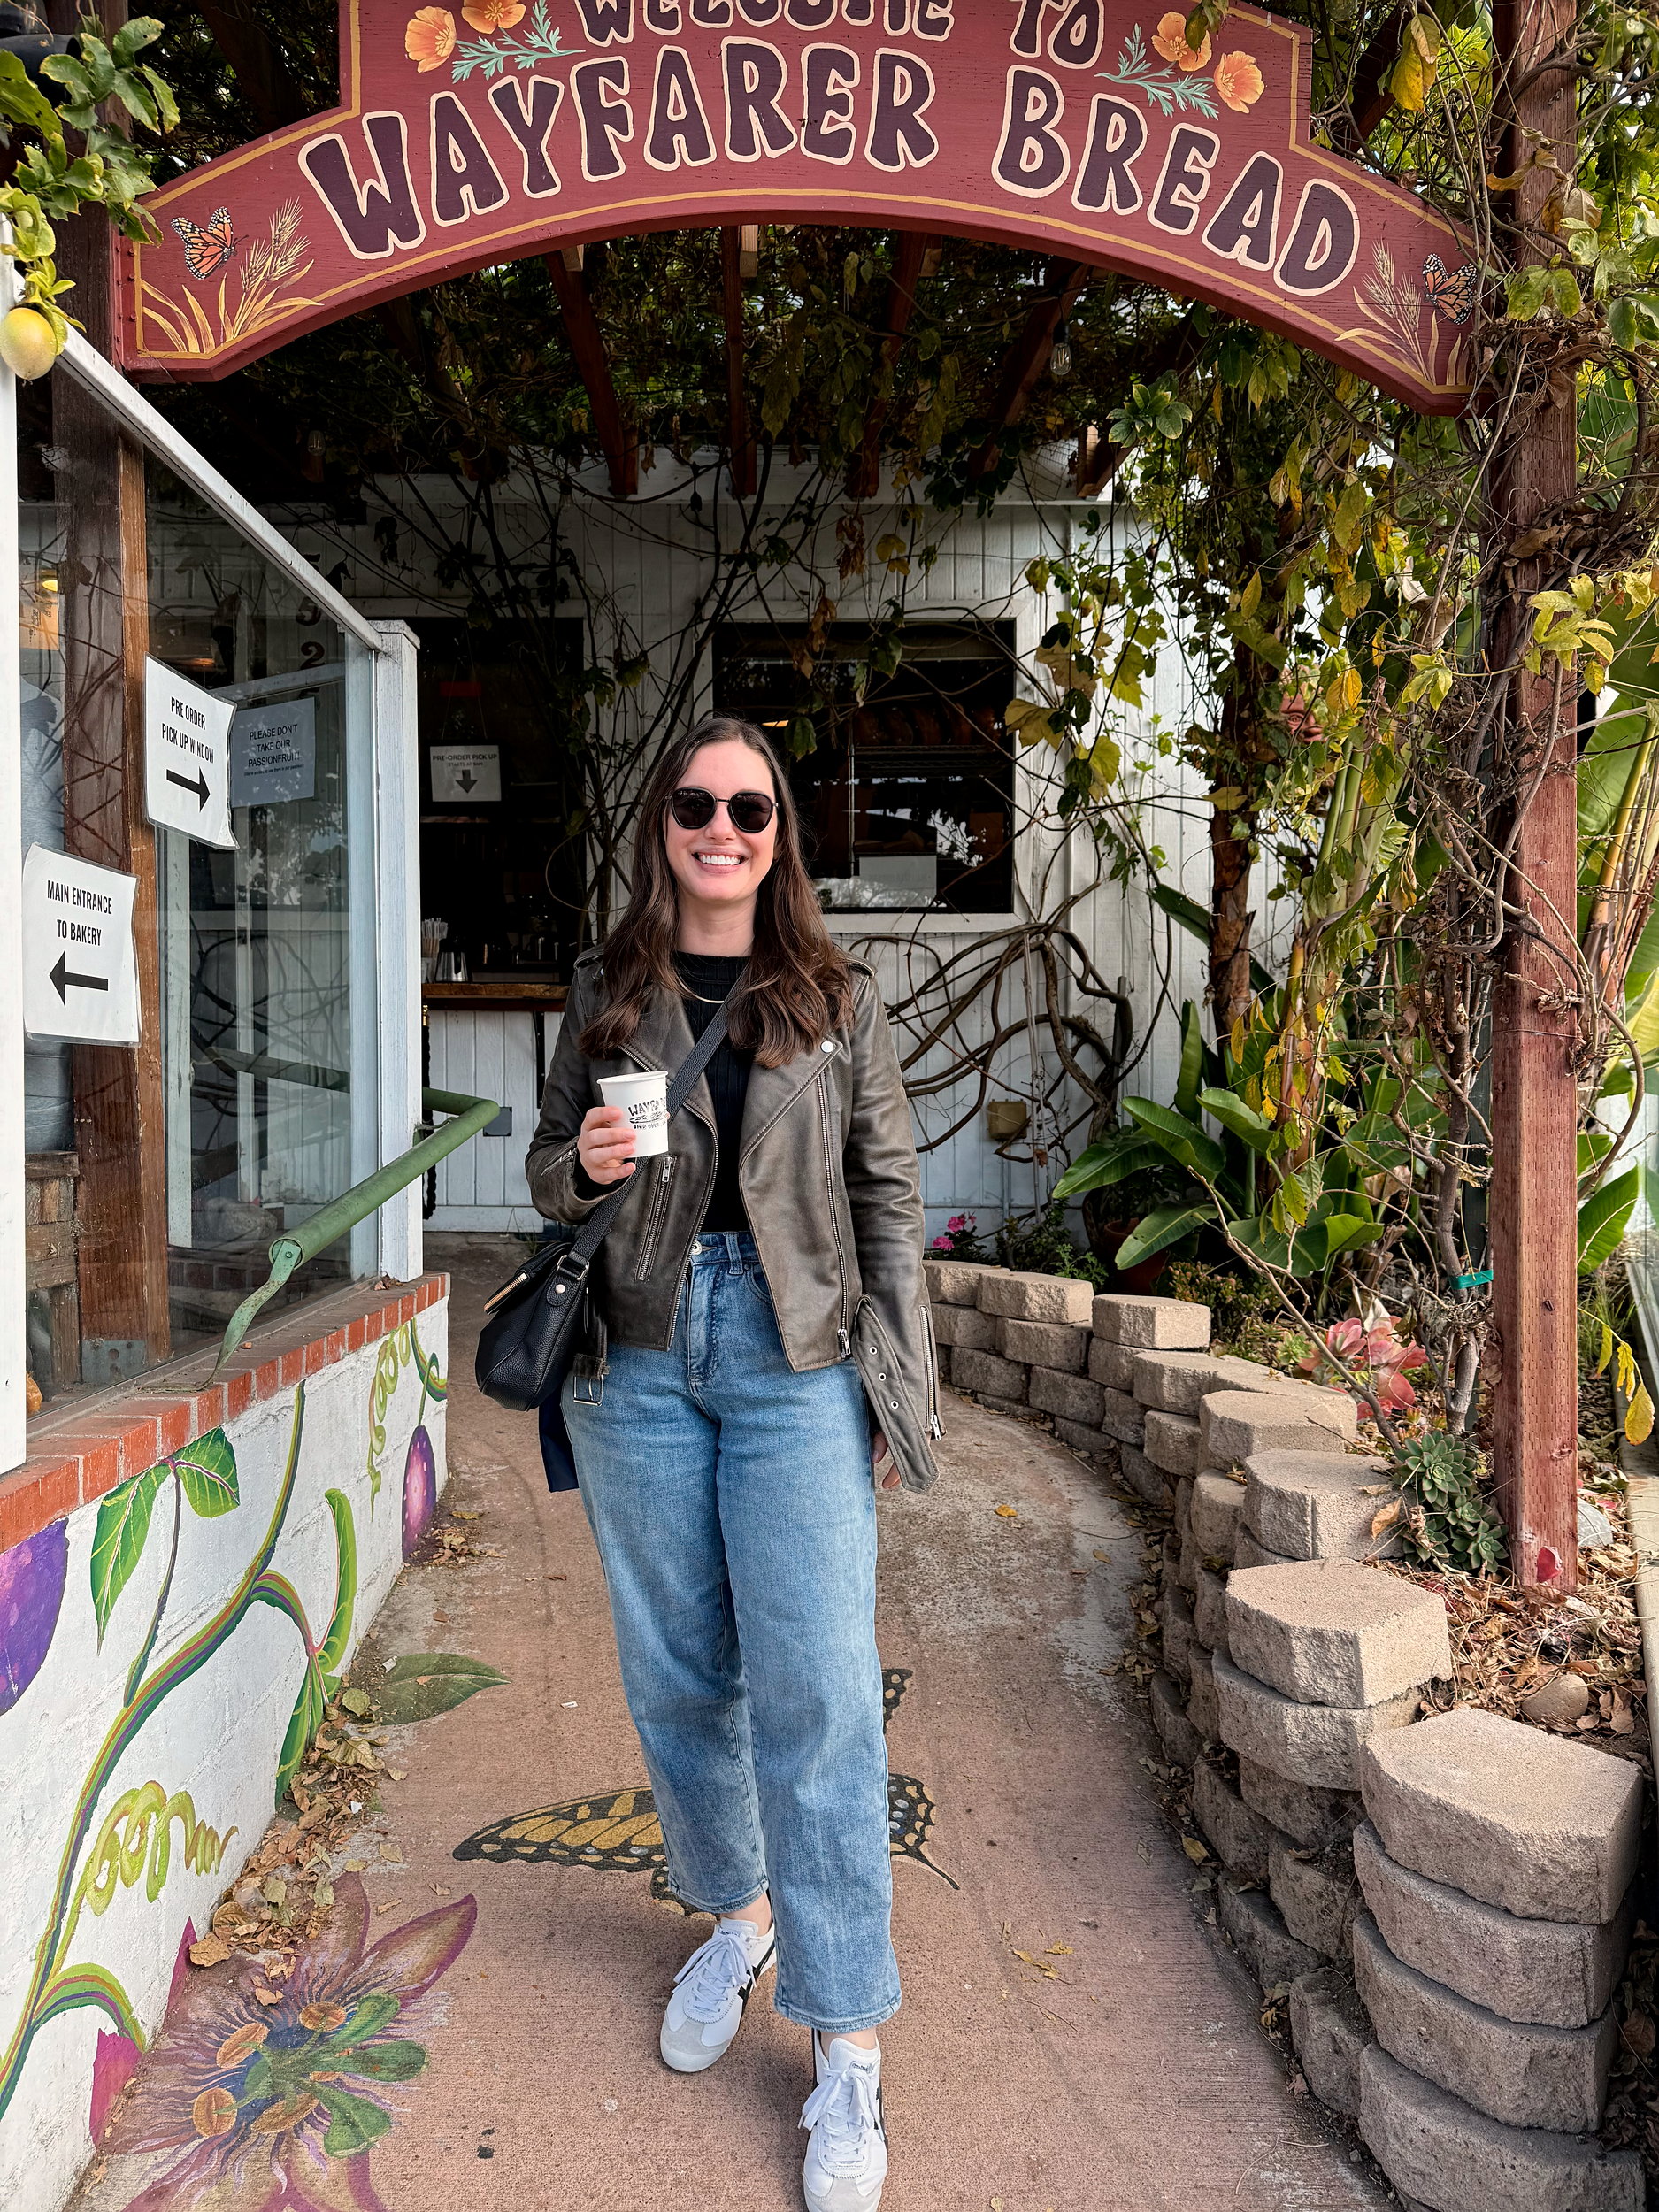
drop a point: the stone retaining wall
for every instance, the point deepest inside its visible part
(1446, 1901)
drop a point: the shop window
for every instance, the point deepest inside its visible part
(907, 792)
(158, 1176)
(500, 857)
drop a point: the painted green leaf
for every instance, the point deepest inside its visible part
(1602, 1220)
(331, 1653)
(1184, 1141)
(385, 2061)
(118, 1541)
(353, 2121)
(368, 2018)
(305, 1720)
(1167, 1225)
(207, 1469)
(423, 1683)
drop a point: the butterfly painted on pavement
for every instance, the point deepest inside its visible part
(206, 249)
(617, 1832)
(1450, 293)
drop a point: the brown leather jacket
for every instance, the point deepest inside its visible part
(829, 1184)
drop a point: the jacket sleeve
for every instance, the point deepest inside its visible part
(549, 1164)
(884, 1192)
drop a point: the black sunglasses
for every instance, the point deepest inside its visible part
(747, 810)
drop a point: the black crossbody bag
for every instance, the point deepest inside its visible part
(536, 1322)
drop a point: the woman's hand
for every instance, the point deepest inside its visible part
(880, 1456)
(605, 1144)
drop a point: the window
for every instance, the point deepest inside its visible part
(907, 793)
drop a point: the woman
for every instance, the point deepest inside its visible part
(727, 1456)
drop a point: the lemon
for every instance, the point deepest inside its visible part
(28, 345)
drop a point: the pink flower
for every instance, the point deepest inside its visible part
(272, 2107)
(1375, 1357)
(942, 1243)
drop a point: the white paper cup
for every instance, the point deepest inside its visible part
(644, 1099)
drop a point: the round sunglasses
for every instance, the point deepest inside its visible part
(748, 811)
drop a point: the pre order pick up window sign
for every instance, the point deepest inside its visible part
(187, 756)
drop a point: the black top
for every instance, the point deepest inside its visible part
(707, 981)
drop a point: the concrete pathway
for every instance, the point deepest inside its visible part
(1125, 2074)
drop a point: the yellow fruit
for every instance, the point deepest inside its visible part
(27, 346)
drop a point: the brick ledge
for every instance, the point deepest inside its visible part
(79, 1451)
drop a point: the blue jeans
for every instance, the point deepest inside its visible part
(732, 1503)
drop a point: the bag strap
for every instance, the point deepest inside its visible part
(578, 1255)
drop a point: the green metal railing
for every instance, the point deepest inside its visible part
(338, 1219)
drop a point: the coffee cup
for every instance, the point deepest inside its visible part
(644, 1099)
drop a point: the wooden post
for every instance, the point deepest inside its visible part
(1534, 1199)
(744, 456)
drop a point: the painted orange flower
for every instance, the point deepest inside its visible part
(493, 15)
(430, 39)
(1170, 39)
(1239, 82)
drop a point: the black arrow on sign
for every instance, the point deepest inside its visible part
(466, 780)
(63, 981)
(197, 783)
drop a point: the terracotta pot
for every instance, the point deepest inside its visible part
(1106, 1236)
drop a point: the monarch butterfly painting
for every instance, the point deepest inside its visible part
(617, 1832)
(206, 250)
(1450, 293)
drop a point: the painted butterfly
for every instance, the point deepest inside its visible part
(1449, 292)
(206, 250)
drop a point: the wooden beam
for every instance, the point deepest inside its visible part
(1534, 1199)
(910, 251)
(742, 442)
(263, 77)
(617, 440)
(1027, 357)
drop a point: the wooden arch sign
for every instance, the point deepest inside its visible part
(494, 128)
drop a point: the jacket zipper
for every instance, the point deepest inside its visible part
(829, 1177)
(935, 1426)
(654, 1219)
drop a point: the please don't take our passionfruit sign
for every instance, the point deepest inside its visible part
(1087, 128)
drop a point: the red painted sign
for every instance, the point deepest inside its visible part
(1083, 127)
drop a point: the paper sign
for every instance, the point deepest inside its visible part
(462, 773)
(80, 974)
(273, 754)
(187, 780)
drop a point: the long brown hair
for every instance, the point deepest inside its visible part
(798, 986)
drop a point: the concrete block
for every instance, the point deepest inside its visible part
(1017, 1296)
(1184, 1510)
(1528, 2076)
(1175, 1615)
(1098, 1449)
(953, 1282)
(1315, 1744)
(1112, 1365)
(1178, 1382)
(1148, 1324)
(1190, 1560)
(1141, 1476)
(1238, 1424)
(1328, 2030)
(1043, 1344)
(1542, 1826)
(1201, 1708)
(1437, 2149)
(1330, 1632)
(1247, 1552)
(1313, 1505)
(1260, 1937)
(1122, 1417)
(1216, 1503)
(1015, 1407)
(1559, 1973)
(966, 1327)
(1313, 1818)
(1209, 1610)
(1316, 1895)
(1175, 1733)
(1240, 1839)
(1172, 1443)
(1069, 1395)
(1003, 1378)
(942, 1361)
(1169, 1569)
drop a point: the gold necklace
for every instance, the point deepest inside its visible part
(686, 991)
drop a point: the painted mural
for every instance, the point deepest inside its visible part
(166, 1658)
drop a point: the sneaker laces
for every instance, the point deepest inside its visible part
(716, 1971)
(844, 2109)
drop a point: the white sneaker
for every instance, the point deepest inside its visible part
(846, 2155)
(710, 1993)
